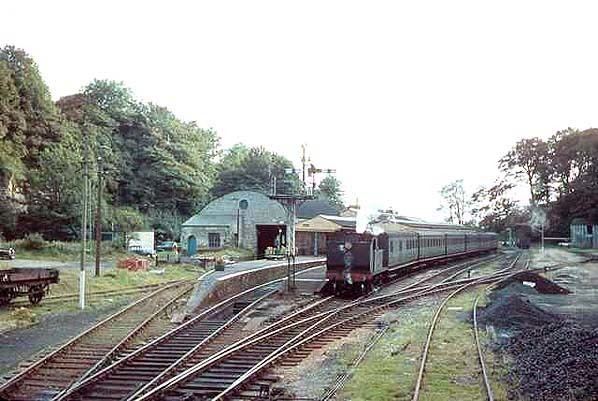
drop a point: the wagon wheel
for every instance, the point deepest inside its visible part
(36, 293)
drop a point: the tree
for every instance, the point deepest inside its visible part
(152, 161)
(528, 160)
(562, 149)
(493, 209)
(454, 201)
(243, 168)
(30, 119)
(29, 124)
(330, 189)
(56, 189)
(574, 157)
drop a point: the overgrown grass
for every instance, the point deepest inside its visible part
(388, 371)
(60, 250)
(452, 372)
(114, 279)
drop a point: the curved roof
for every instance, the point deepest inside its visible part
(260, 208)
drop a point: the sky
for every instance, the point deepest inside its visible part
(399, 97)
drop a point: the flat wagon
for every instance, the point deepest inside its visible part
(33, 282)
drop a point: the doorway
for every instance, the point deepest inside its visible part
(191, 245)
(267, 236)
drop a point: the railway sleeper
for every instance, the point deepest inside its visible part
(238, 365)
(149, 364)
(130, 377)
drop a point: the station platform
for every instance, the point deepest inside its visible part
(215, 286)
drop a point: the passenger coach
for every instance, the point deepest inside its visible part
(356, 262)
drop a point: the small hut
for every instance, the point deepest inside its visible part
(584, 233)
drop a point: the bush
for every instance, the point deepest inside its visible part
(34, 242)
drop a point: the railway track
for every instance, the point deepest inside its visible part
(94, 347)
(133, 373)
(227, 373)
(480, 353)
(158, 360)
(152, 364)
(343, 378)
(502, 274)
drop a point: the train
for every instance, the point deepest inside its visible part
(357, 262)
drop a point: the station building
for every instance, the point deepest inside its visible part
(584, 233)
(312, 234)
(245, 219)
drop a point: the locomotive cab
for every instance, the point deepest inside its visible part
(352, 261)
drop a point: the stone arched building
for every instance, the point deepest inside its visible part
(245, 219)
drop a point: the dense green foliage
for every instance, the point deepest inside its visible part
(562, 178)
(243, 168)
(330, 189)
(155, 169)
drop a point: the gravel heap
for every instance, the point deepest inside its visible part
(512, 312)
(542, 284)
(557, 361)
(552, 358)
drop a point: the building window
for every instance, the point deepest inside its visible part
(214, 240)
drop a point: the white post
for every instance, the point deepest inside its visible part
(82, 289)
(542, 238)
(84, 223)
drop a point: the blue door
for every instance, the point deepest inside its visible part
(191, 245)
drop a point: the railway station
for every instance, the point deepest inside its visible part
(274, 201)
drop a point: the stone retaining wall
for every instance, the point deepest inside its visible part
(211, 290)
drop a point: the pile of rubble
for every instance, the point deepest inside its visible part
(514, 313)
(540, 284)
(552, 358)
(556, 361)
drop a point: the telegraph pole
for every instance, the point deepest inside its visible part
(98, 225)
(84, 220)
(542, 238)
(303, 160)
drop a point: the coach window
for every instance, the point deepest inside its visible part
(392, 250)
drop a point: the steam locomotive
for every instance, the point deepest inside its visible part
(356, 262)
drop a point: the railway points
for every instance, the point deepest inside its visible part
(98, 344)
(251, 355)
(434, 322)
(210, 355)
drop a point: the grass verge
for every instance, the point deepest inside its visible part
(452, 372)
(116, 279)
(388, 371)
